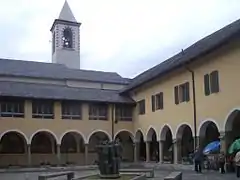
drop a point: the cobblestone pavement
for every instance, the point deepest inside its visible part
(159, 174)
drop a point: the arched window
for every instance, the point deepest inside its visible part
(67, 38)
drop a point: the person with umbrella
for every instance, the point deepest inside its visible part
(237, 163)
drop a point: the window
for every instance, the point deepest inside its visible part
(141, 107)
(157, 101)
(98, 112)
(67, 38)
(211, 83)
(181, 93)
(123, 112)
(71, 110)
(11, 108)
(43, 109)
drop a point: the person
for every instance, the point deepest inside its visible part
(198, 158)
(237, 163)
(221, 160)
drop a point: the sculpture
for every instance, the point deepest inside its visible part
(109, 159)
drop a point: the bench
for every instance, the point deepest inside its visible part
(70, 175)
(176, 175)
(149, 172)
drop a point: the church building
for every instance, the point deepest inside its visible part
(56, 113)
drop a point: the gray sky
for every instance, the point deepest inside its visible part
(125, 36)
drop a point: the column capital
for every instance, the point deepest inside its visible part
(222, 134)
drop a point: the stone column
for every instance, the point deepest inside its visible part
(222, 141)
(161, 143)
(136, 151)
(197, 139)
(29, 154)
(147, 151)
(59, 154)
(179, 151)
(175, 152)
(78, 147)
(86, 154)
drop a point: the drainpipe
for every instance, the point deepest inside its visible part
(194, 106)
(113, 121)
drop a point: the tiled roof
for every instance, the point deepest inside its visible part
(200, 48)
(10, 67)
(44, 91)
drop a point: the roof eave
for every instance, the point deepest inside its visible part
(127, 90)
(65, 22)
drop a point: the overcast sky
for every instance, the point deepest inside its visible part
(125, 36)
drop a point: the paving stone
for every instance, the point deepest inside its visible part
(159, 175)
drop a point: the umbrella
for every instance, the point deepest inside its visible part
(235, 146)
(211, 147)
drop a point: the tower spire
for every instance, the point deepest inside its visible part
(66, 13)
(66, 39)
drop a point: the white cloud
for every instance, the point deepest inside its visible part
(126, 36)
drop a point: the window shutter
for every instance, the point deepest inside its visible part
(153, 103)
(139, 107)
(214, 82)
(161, 100)
(206, 84)
(143, 106)
(187, 91)
(176, 95)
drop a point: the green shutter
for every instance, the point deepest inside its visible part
(176, 95)
(161, 100)
(206, 84)
(143, 104)
(214, 82)
(153, 103)
(187, 95)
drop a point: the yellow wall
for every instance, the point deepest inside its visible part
(215, 107)
(58, 127)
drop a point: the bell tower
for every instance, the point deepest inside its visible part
(66, 39)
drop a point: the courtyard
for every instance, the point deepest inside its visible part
(159, 174)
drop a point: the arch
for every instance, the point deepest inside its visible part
(126, 140)
(13, 142)
(44, 130)
(180, 129)
(17, 131)
(124, 130)
(231, 127)
(229, 119)
(96, 131)
(72, 131)
(138, 135)
(67, 38)
(203, 125)
(150, 133)
(164, 131)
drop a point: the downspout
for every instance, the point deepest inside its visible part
(194, 107)
(113, 121)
